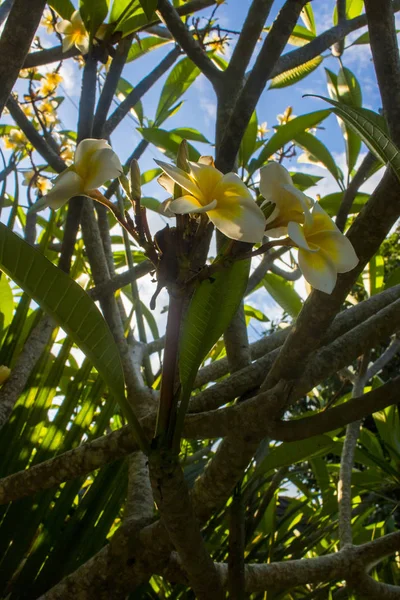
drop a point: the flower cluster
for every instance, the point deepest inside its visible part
(323, 251)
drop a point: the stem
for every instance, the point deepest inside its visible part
(168, 397)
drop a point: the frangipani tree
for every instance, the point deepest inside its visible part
(218, 466)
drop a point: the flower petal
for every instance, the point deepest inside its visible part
(84, 151)
(206, 160)
(318, 270)
(180, 177)
(296, 233)
(206, 178)
(76, 19)
(83, 44)
(321, 221)
(247, 225)
(67, 43)
(104, 164)
(167, 183)
(272, 177)
(186, 204)
(339, 249)
(66, 185)
(231, 187)
(63, 26)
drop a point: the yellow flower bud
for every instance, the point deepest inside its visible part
(5, 373)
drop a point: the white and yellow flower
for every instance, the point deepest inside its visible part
(290, 203)
(95, 163)
(40, 183)
(323, 250)
(15, 140)
(74, 33)
(225, 198)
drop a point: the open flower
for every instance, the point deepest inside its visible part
(290, 203)
(95, 163)
(323, 250)
(74, 33)
(225, 198)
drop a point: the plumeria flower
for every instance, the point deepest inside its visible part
(262, 130)
(225, 198)
(47, 21)
(15, 140)
(95, 163)
(38, 182)
(290, 203)
(74, 33)
(323, 250)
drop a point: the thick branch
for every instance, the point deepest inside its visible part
(249, 36)
(271, 50)
(121, 280)
(15, 42)
(351, 192)
(385, 53)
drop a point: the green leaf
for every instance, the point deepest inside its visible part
(286, 133)
(317, 149)
(123, 7)
(93, 13)
(64, 8)
(349, 90)
(178, 81)
(6, 304)
(295, 75)
(145, 45)
(283, 293)
(303, 181)
(371, 128)
(300, 36)
(253, 313)
(373, 275)
(307, 16)
(353, 9)
(149, 175)
(151, 203)
(331, 203)
(125, 88)
(167, 141)
(211, 309)
(63, 299)
(248, 144)
(290, 453)
(188, 133)
(149, 7)
(393, 279)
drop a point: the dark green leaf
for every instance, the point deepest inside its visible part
(286, 133)
(93, 13)
(145, 45)
(371, 128)
(248, 144)
(64, 8)
(178, 81)
(393, 279)
(149, 7)
(167, 141)
(66, 302)
(283, 293)
(331, 203)
(303, 181)
(188, 133)
(317, 149)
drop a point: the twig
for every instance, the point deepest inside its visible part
(384, 358)
(337, 49)
(15, 42)
(110, 85)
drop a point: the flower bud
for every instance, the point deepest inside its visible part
(182, 156)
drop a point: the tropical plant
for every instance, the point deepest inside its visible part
(242, 452)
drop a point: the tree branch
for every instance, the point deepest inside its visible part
(249, 36)
(185, 39)
(15, 42)
(139, 91)
(385, 53)
(271, 50)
